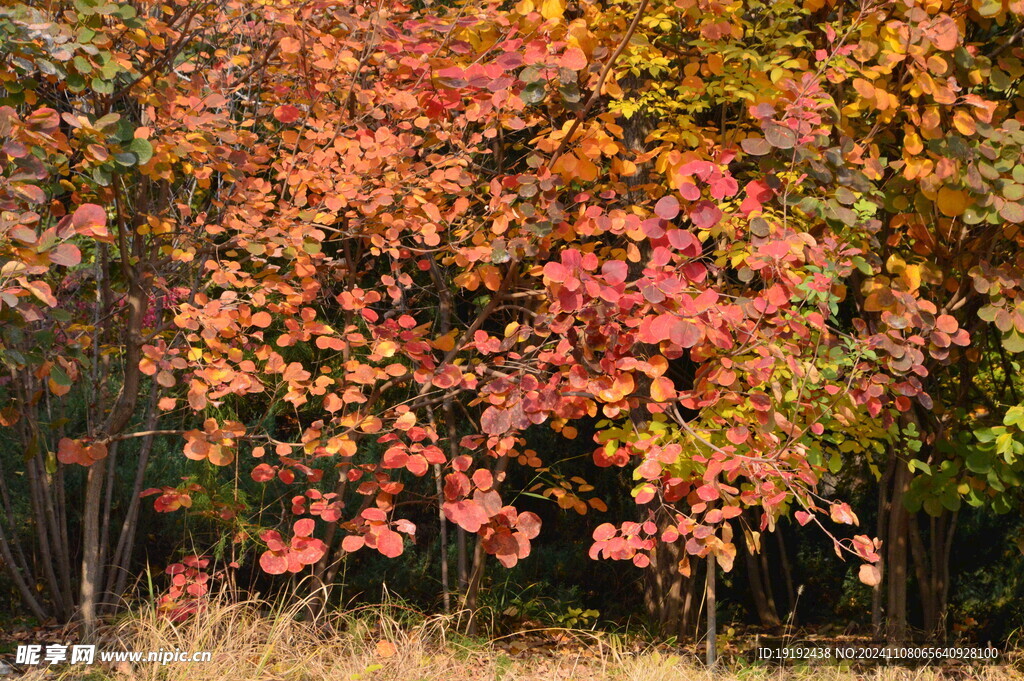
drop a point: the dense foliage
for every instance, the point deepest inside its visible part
(352, 259)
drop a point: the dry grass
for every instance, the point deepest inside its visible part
(251, 641)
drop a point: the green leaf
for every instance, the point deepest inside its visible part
(835, 463)
(81, 64)
(103, 87)
(779, 136)
(978, 461)
(141, 148)
(58, 376)
(533, 93)
(1014, 417)
(1013, 342)
(917, 464)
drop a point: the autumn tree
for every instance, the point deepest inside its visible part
(361, 250)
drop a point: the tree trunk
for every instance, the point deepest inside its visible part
(757, 577)
(471, 601)
(712, 652)
(663, 588)
(931, 566)
(787, 575)
(922, 572)
(120, 561)
(443, 539)
(882, 531)
(91, 567)
(15, 571)
(896, 560)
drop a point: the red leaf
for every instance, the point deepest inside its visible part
(944, 34)
(456, 486)
(91, 220)
(467, 514)
(529, 524)
(705, 214)
(352, 542)
(842, 513)
(684, 241)
(489, 501)
(263, 473)
(870, 575)
(389, 543)
(604, 532)
(774, 249)
(667, 207)
(286, 113)
(483, 479)
(274, 562)
(304, 527)
(707, 492)
(573, 59)
(308, 551)
(69, 451)
(615, 271)
(737, 434)
(556, 271)
(946, 323)
(67, 255)
(495, 421)
(395, 457)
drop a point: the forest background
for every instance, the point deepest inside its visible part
(538, 309)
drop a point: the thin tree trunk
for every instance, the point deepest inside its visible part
(712, 653)
(57, 550)
(91, 569)
(61, 600)
(882, 531)
(120, 562)
(27, 597)
(947, 552)
(326, 568)
(471, 602)
(104, 548)
(462, 559)
(443, 532)
(923, 572)
(897, 558)
(18, 560)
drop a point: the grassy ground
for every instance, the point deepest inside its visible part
(252, 642)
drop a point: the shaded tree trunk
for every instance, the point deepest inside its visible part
(758, 577)
(882, 532)
(896, 557)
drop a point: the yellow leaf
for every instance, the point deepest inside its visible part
(911, 277)
(715, 64)
(662, 389)
(446, 342)
(879, 300)
(951, 202)
(912, 143)
(964, 123)
(895, 264)
(552, 9)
